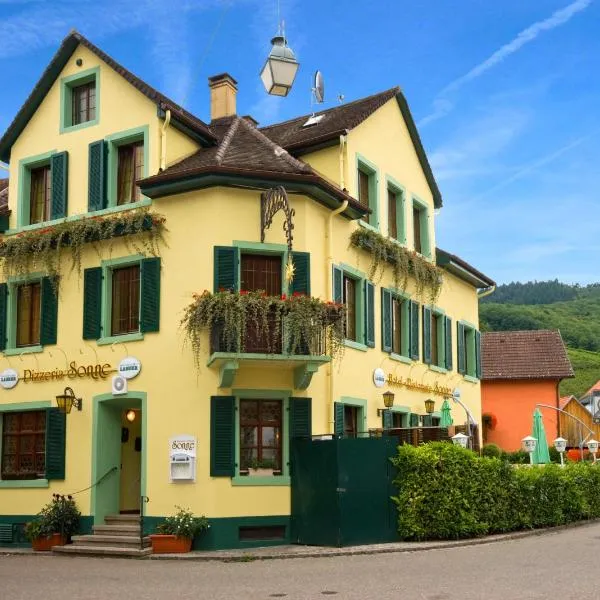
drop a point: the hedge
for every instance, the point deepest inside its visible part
(448, 492)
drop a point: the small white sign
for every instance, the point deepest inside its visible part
(379, 377)
(182, 444)
(130, 367)
(9, 378)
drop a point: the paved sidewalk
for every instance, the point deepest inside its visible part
(296, 551)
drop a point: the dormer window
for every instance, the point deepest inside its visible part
(83, 103)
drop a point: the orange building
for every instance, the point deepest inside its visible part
(520, 369)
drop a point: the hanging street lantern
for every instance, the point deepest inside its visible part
(67, 400)
(429, 406)
(388, 399)
(280, 69)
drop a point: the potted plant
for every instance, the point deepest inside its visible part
(54, 524)
(262, 468)
(177, 532)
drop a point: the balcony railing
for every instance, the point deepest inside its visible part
(272, 338)
(421, 435)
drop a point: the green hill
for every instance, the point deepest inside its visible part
(574, 310)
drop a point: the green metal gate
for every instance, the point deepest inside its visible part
(341, 489)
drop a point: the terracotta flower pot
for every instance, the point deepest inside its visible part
(169, 544)
(44, 544)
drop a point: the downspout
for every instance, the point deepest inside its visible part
(329, 266)
(163, 141)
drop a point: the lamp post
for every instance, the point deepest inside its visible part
(280, 69)
(460, 439)
(561, 445)
(529, 444)
(592, 446)
(67, 400)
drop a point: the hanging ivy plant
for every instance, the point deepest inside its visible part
(41, 249)
(297, 325)
(405, 263)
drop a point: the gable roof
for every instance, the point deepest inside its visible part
(180, 117)
(297, 139)
(594, 390)
(564, 400)
(243, 152)
(538, 354)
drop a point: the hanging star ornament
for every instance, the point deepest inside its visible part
(290, 270)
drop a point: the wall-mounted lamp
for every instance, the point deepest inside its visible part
(388, 401)
(429, 406)
(67, 400)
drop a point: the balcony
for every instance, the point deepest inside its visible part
(295, 335)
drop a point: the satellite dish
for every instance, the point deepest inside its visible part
(319, 87)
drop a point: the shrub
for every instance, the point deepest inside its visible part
(183, 524)
(60, 515)
(447, 492)
(491, 451)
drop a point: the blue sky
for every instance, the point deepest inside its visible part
(505, 95)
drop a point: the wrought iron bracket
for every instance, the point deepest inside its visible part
(271, 202)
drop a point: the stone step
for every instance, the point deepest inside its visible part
(103, 551)
(121, 541)
(122, 519)
(126, 530)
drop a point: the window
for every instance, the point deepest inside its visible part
(396, 324)
(395, 211)
(350, 417)
(399, 326)
(130, 169)
(24, 445)
(366, 185)
(437, 338)
(79, 100)
(261, 272)
(28, 314)
(436, 342)
(392, 214)
(125, 307)
(260, 437)
(399, 420)
(349, 299)
(350, 421)
(83, 98)
(469, 350)
(40, 199)
(121, 300)
(420, 229)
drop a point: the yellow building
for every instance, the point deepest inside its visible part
(122, 205)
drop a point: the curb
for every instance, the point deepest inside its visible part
(271, 553)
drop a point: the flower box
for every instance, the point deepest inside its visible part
(169, 544)
(45, 544)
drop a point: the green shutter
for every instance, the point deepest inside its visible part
(427, 335)
(92, 303)
(97, 185)
(222, 434)
(59, 169)
(338, 294)
(386, 320)
(226, 268)
(414, 330)
(49, 312)
(301, 282)
(478, 354)
(3, 310)
(414, 420)
(460, 346)
(448, 342)
(338, 418)
(56, 429)
(150, 296)
(386, 419)
(427, 421)
(369, 314)
(300, 417)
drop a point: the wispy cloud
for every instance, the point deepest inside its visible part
(443, 105)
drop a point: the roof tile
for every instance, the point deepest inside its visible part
(539, 354)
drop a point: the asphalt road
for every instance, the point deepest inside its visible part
(560, 565)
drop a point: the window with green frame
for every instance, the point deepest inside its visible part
(121, 299)
(115, 164)
(350, 417)
(399, 325)
(367, 187)
(43, 188)
(28, 314)
(250, 435)
(396, 211)
(437, 338)
(468, 350)
(32, 443)
(80, 95)
(420, 220)
(352, 289)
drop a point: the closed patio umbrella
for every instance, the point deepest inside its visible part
(446, 417)
(541, 455)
